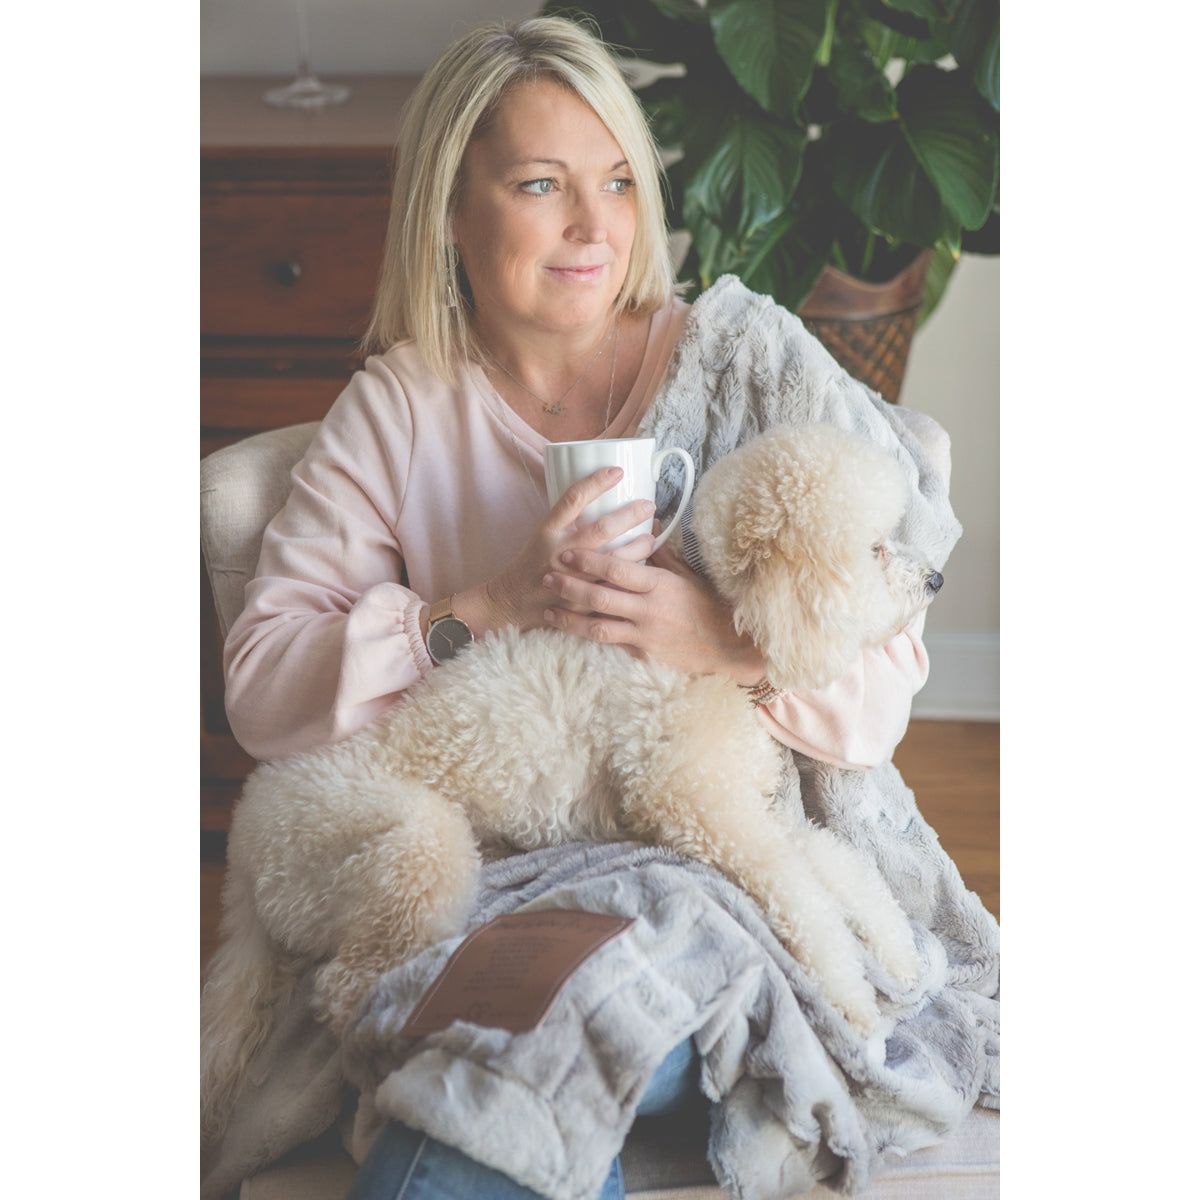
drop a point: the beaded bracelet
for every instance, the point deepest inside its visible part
(762, 692)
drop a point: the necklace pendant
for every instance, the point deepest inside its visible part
(554, 409)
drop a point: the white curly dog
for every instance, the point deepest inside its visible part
(365, 852)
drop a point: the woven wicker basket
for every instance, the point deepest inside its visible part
(868, 327)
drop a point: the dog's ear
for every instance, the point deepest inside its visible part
(806, 625)
(787, 525)
(736, 511)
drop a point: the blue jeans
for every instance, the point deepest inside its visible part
(404, 1164)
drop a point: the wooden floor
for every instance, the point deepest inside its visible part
(953, 768)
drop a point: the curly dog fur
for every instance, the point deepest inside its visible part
(362, 853)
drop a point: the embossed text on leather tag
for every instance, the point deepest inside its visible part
(506, 973)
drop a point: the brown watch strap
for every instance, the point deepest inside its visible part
(441, 608)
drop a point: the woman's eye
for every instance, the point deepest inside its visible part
(529, 183)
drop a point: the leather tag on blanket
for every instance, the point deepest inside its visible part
(506, 973)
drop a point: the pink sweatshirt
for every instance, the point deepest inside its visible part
(405, 470)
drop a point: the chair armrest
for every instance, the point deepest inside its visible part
(241, 488)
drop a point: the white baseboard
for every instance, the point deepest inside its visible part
(964, 678)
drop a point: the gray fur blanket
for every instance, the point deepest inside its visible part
(757, 366)
(796, 1097)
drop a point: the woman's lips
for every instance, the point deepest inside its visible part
(591, 273)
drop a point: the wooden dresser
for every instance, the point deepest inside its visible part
(293, 210)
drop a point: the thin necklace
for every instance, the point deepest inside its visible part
(541, 492)
(556, 408)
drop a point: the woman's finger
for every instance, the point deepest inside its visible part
(636, 551)
(621, 520)
(595, 629)
(621, 573)
(579, 495)
(596, 597)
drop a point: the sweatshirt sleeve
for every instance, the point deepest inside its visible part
(329, 637)
(856, 721)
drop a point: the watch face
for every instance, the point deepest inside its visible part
(447, 637)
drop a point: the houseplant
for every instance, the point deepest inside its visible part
(815, 142)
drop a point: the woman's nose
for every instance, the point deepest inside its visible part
(589, 231)
(588, 223)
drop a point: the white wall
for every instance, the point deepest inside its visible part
(953, 371)
(954, 376)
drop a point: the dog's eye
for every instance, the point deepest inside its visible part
(881, 550)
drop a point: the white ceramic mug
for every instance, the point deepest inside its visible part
(568, 462)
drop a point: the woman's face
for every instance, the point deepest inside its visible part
(518, 218)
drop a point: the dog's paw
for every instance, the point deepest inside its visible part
(830, 957)
(902, 963)
(864, 1021)
(855, 1001)
(853, 995)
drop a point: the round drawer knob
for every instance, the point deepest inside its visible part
(287, 273)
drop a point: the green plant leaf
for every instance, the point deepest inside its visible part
(749, 176)
(879, 178)
(681, 10)
(678, 174)
(806, 269)
(976, 45)
(791, 265)
(987, 73)
(925, 176)
(868, 255)
(689, 273)
(770, 47)
(862, 88)
(667, 112)
(709, 244)
(894, 17)
(826, 46)
(763, 241)
(942, 263)
(955, 137)
(886, 43)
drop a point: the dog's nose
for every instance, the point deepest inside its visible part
(934, 582)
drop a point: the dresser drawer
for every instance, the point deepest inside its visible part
(276, 264)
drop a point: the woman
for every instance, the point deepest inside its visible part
(418, 518)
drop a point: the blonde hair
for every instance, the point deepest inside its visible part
(455, 100)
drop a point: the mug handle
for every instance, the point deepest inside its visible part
(689, 472)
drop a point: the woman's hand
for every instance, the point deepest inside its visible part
(660, 610)
(518, 596)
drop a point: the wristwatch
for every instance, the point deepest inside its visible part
(447, 634)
